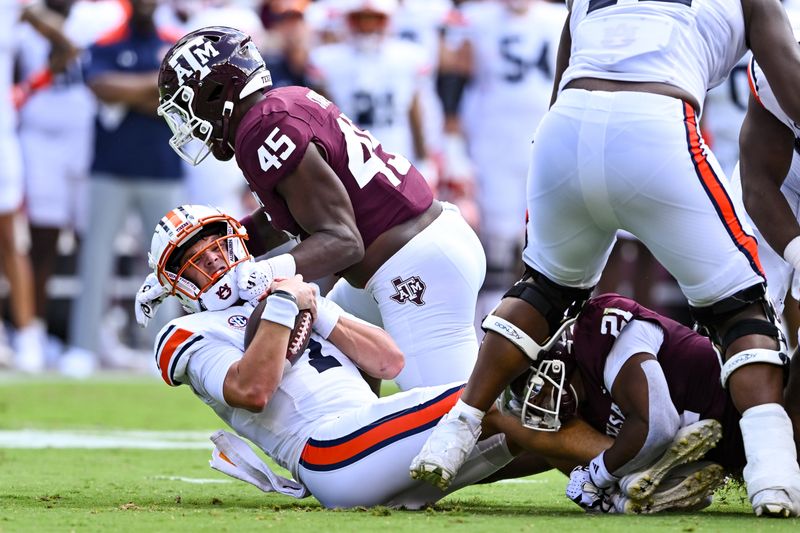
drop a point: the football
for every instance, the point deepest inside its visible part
(298, 338)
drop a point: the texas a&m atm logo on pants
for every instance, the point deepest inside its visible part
(408, 290)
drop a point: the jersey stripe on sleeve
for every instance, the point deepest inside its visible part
(172, 345)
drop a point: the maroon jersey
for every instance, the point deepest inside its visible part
(384, 188)
(689, 362)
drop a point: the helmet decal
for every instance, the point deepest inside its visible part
(192, 58)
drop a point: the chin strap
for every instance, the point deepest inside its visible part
(222, 148)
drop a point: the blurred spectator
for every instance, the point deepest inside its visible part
(287, 52)
(510, 50)
(375, 78)
(133, 168)
(56, 118)
(29, 354)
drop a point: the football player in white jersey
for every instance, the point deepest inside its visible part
(316, 417)
(620, 148)
(376, 78)
(769, 176)
(511, 48)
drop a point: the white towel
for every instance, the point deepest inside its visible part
(234, 457)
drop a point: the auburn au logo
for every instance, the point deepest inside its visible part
(408, 290)
(224, 292)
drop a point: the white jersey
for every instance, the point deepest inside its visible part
(514, 64)
(198, 349)
(691, 44)
(374, 86)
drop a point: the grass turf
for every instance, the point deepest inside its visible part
(175, 490)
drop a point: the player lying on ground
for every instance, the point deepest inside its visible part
(316, 416)
(653, 385)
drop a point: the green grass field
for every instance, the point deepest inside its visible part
(123, 488)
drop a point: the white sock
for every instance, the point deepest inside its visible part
(769, 448)
(488, 456)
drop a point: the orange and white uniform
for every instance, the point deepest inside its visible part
(604, 161)
(323, 423)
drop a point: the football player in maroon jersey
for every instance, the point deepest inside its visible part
(409, 262)
(642, 379)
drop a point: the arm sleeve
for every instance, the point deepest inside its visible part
(636, 337)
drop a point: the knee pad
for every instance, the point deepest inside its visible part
(710, 319)
(558, 304)
(750, 357)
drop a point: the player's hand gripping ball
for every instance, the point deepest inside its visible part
(298, 338)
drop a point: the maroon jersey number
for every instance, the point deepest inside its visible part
(362, 161)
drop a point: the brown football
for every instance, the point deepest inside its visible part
(298, 339)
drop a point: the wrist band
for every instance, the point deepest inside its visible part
(327, 316)
(792, 253)
(281, 308)
(283, 266)
(599, 474)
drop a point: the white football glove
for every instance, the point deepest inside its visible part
(586, 494)
(253, 280)
(148, 298)
(255, 277)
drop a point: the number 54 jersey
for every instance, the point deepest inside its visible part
(272, 139)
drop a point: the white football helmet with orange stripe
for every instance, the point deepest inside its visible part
(180, 229)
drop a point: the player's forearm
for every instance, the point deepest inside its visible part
(772, 215)
(262, 235)
(328, 252)
(576, 443)
(253, 380)
(369, 347)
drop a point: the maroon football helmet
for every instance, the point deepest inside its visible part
(549, 398)
(202, 78)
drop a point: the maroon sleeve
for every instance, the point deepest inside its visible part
(272, 148)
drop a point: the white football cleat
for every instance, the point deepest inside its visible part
(688, 487)
(775, 503)
(690, 444)
(445, 451)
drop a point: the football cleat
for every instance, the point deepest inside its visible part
(688, 487)
(445, 451)
(775, 503)
(690, 444)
